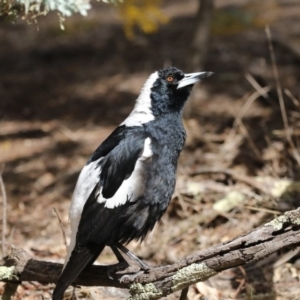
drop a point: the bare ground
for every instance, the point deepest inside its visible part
(62, 93)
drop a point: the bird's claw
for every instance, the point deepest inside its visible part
(113, 269)
(128, 278)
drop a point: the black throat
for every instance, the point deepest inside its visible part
(167, 99)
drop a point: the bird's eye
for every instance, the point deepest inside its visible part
(170, 78)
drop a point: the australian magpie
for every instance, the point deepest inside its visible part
(128, 182)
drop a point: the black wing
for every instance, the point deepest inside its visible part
(119, 154)
(119, 164)
(111, 142)
(97, 221)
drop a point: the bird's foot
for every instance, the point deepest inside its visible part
(128, 278)
(125, 273)
(131, 273)
(112, 270)
(143, 266)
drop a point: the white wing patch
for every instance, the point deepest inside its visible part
(132, 187)
(142, 110)
(87, 180)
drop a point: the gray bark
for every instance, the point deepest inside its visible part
(160, 281)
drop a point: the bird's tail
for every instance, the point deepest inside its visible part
(80, 258)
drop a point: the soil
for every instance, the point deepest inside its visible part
(63, 92)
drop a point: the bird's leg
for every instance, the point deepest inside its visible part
(141, 264)
(123, 264)
(117, 254)
(126, 277)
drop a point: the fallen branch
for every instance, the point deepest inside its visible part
(282, 232)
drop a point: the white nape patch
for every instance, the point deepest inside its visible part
(87, 180)
(141, 112)
(132, 187)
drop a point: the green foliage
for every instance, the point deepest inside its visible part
(144, 14)
(30, 9)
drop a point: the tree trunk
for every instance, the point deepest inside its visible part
(200, 44)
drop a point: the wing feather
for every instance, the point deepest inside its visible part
(100, 214)
(114, 174)
(120, 163)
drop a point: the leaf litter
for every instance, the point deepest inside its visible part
(238, 169)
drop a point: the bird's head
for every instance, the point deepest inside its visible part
(172, 88)
(165, 91)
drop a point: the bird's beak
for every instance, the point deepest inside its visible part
(192, 78)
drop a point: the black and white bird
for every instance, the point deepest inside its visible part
(128, 182)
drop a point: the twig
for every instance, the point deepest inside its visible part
(237, 176)
(286, 257)
(9, 290)
(280, 97)
(269, 211)
(292, 97)
(4, 213)
(62, 227)
(238, 119)
(262, 91)
(246, 134)
(184, 293)
(251, 99)
(239, 288)
(74, 296)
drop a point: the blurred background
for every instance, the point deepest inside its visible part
(63, 91)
